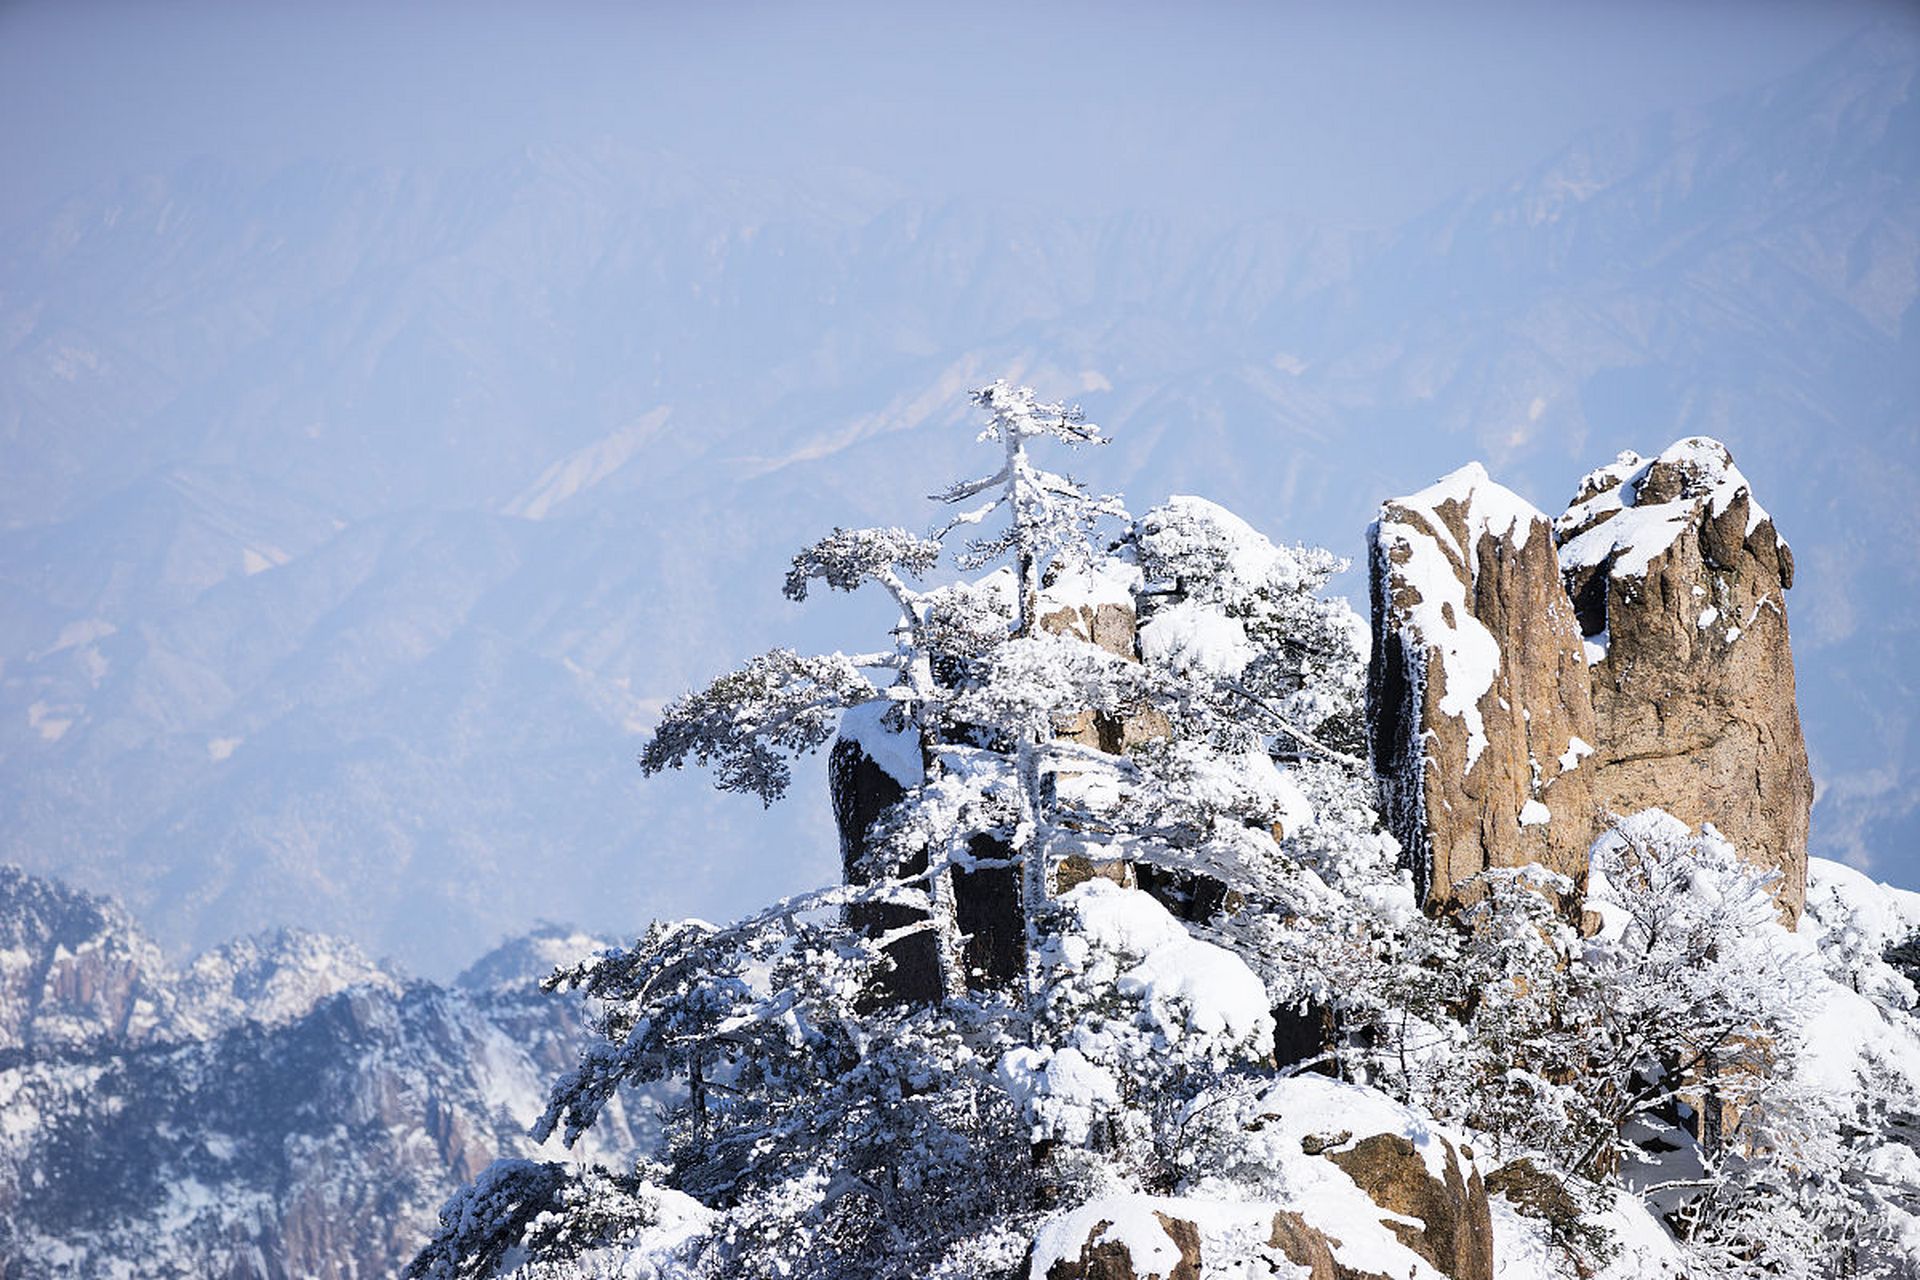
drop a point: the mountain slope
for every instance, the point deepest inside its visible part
(280, 1107)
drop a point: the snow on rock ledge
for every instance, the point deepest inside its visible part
(1335, 1181)
(1679, 573)
(1477, 689)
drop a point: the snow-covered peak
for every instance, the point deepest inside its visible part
(1634, 508)
(519, 964)
(1479, 503)
(268, 978)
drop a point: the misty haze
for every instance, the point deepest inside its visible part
(402, 411)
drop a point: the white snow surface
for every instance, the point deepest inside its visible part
(1185, 986)
(1190, 998)
(1186, 529)
(895, 751)
(1063, 1090)
(1133, 1221)
(1848, 924)
(1633, 534)
(1578, 749)
(1439, 568)
(1312, 1106)
(1535, 814)
(1194, 638)
(1105, 580)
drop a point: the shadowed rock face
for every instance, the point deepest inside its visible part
(862, 791)
(987, 900)
(1477, 691)
(1679, 579)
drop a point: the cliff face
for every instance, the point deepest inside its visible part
(282, 1107)
(1527, 680)
(869, 770)
(1680, 579)
(1477, 692)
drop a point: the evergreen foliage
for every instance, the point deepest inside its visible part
(1207, 907)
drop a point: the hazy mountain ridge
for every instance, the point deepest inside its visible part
(280, 1107)
(364, 373)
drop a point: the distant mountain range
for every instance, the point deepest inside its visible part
(356, 523)
(281, 1107)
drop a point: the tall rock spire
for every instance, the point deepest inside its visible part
(1679, 579)
(1477, 691)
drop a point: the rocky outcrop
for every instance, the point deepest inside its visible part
(868, 772)
(1176, 1249)
(1356, 1187)
(1098, 608)
(1307, 1246)
(73, 970)
(1456, 1226)
(1173, 1253)
(1477, 696)
(1679, 580)
(872, 766)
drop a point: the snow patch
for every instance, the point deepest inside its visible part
(1578, 749)
(1108, 580)
(74, 634)
(259, 560)
(584, 468)
(895, 751)
(48, 722)
(1629, 535)
(1535, 814)
(1192, 638)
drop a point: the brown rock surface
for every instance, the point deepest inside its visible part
(1111, 625)
(1307, 1246)
(1103, 1259)
(1477, 689)
(1679, 580)
(1457, 1236)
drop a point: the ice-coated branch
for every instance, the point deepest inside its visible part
(746, 724)
(1293, 731)
(849, 558)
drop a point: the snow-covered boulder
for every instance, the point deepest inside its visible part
(1679, 580)
(1372, 1174)
(1316, 1178)
(1477, 697)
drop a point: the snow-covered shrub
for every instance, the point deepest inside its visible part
(1133, 1019)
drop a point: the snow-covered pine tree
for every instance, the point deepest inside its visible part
(1104, 814)
(833, 1129)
